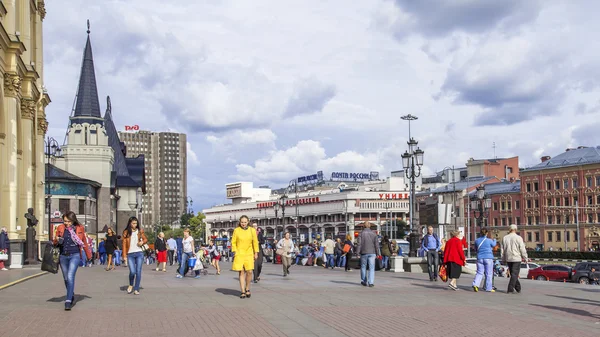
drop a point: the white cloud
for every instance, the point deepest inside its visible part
(191, 154)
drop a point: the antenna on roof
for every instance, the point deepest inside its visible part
(88, 25)
(494, 146)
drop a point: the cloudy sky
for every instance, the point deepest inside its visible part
(271, 90)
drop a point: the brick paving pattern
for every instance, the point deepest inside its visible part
(310, 302)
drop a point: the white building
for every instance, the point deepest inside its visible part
(313, 211)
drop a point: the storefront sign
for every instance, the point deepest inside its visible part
(393, 196)
(311, 178)
(132, 127)
(289, 202)
(354, 176)
(234, 191)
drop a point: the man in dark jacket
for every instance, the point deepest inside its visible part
(4, 246)
(259, 260)
(368, 249)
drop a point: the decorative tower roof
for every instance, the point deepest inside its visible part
(87, 105)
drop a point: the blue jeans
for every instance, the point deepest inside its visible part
(179, 253)
(184, 261)
(384, 262)
(135, 262)
(102, 258)
(341, 261)
(69, 265)
(484, 266)
(370, 258)
(330, 260)
(299, 258)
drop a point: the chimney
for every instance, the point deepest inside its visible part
(581, 147)
(546, 158)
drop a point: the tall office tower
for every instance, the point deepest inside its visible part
(166, 174)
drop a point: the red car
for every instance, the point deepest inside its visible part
(550, 272)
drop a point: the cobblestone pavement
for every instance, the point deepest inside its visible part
(12, 275)
(310, 302)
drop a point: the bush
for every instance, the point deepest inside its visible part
(564, 255)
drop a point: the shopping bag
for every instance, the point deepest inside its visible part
(443, 273)
(50, 259)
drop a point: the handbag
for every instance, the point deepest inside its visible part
(280, 251)
(347, 248)
(443, 273)
(50, 260)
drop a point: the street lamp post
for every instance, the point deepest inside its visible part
(412, 160)
(282, 203)
(52, 150)
(294, 185)
(480, 203)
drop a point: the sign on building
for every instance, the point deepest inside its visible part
(234, 191)
(345, 176)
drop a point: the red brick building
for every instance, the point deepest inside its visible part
(561, 201)
(501, 168)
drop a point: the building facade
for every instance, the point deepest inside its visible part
(23, 123)
(314, 213)
(165, 156)
(502, 168)
(561, 200)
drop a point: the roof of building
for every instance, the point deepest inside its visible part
(56, 174)
(503, 187)
(135, 166)
(87, 104)
(572, 157)
(461, 185)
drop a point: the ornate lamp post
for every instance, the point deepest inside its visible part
(480, 203)
(412, 160)
(52, 150)
(453, 214)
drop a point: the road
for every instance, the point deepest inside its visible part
(311, 302)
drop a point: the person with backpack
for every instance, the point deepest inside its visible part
(431, 245)
(485, 261)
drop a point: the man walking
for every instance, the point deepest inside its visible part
(368, 248)
(513, 253)
(179, 243)
(431, 245)
(171, 245)
(259, 260)
(329, 245)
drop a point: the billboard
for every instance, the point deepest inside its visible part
(356, 176)
(234, 190)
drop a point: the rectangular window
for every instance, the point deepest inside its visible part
(566, 184)
(558, 238)
(557, 202)
(589, 181)
(529, 236)
(568, 236)
(63, 205)
(529, 220)
(518, 204)
(528, 203)
(537, 236)
(590, 218)
(590, 200)
(503, 221)
(509, 204)
(598, 199)
(528, 186)
(566, 201)
(81, 207)
(536, 186)
(567, 219)
(495, 222)
(549, 202)
(575, 199)
(495, 206)
(549, 236)
(597, 181)
(550, 219)
(537, 203)
(557, 184)
(575, 182)
(503, 205)
(518, 221)
(558, 219)
(575, 236)
(548, 185)
(537, 219)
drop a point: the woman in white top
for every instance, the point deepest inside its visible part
(188, 251)
(135, 238)
(287, 245)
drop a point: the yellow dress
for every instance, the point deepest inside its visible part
(244, 243)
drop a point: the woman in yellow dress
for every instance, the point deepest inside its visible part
(244, 244)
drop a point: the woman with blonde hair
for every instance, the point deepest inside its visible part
(454, 258)
(348, 251)
(110, 245)
(244, 243)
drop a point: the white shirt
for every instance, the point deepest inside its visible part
(172, 244)
(133, 247)
(187, 244)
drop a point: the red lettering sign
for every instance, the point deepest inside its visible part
(132, 127)
(393, 196)
(289, 202)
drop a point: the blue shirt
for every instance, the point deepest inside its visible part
(486, 248)
(431, 242)
(69, 246)
(179, 244)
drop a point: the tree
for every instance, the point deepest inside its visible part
(197, 226)
(185, 219)
(401, 228)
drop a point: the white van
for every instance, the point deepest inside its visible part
(404, 245)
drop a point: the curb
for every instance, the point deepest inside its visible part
(4, 286)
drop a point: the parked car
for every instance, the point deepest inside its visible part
(550, 272)
(525, 267)
(579, 274)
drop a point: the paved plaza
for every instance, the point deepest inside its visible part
(311, 302)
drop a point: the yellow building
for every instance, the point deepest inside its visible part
(23, 123)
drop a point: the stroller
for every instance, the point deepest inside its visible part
(201, 266)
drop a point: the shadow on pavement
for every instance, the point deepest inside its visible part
(78, 298)
(577, 312)
(575, 299)
(230, 292)
(442, 286)
(345, 282)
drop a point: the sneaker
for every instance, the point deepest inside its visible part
(197, 276)
(371, 285)
(363, 283)
(475, 288)
(452, 287)
(178, 276)
(491, 291)
(67, 306)
(136, 292)
(3, 269)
